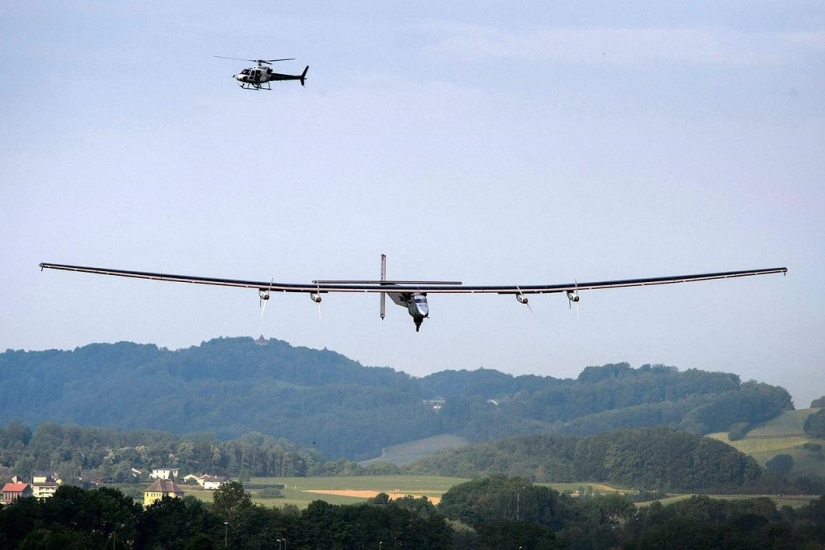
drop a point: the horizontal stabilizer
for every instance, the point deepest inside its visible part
(382, 282)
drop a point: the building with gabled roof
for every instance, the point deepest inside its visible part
(159, 489)
(45, 476)
(210, 483)
(13, 491)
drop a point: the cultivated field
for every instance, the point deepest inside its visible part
(300, 491)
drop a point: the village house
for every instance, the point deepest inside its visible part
(45, 477)
(164, 473)
(192, 478)
(210, 483)
(159, 489)
(44, 484)
(13, 491)
(44, 490)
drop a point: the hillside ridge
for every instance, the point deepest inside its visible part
(325, 401)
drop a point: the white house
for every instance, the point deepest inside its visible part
(211, 483)
(164, 473)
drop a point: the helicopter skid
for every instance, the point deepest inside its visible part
(246, 86)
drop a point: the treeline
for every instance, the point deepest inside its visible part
(512, 512)
(105, 518)
(656, 459)
(324, 401)
(653, 460)
(489, 513)
(111, 455)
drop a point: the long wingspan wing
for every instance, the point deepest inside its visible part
(423, 287)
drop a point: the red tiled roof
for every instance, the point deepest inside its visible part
(15, 487)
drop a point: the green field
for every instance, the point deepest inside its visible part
(782, 435)
(407, 453)
(300, 491)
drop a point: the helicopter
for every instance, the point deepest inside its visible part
(259, 77)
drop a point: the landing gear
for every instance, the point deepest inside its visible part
(418, 321)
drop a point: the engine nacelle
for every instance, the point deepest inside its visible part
(315, 297)
(522, 299)
(572, 296)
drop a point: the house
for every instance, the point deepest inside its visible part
(13, 491)
(159, 489)
(164, 473)
(192, 478)
(210, 483)
(44, 490)
(44, 477)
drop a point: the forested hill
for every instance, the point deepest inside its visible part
(653, 459)
(321, 399)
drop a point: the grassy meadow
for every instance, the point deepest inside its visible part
(782, 435)
(300, 491)
(407, 453)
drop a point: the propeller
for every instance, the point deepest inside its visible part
(522, 299)
(316, 297)
(263, 297)
(573, 296)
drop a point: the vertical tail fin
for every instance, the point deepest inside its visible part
(304, 75)
(383, 278)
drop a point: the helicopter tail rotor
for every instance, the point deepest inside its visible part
(304, 75)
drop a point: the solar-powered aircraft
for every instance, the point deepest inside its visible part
(412, 295)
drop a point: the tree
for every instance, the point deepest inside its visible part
(380, 498)
(229, 499)
(780, 464)
(818, 403)
(515, 534)
(738, 430)
(815, 425)
(170, 522)
(500, 498)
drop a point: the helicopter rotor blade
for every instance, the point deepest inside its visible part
(235, 58)
(258, 61)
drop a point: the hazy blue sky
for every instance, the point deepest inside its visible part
(475, 141)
